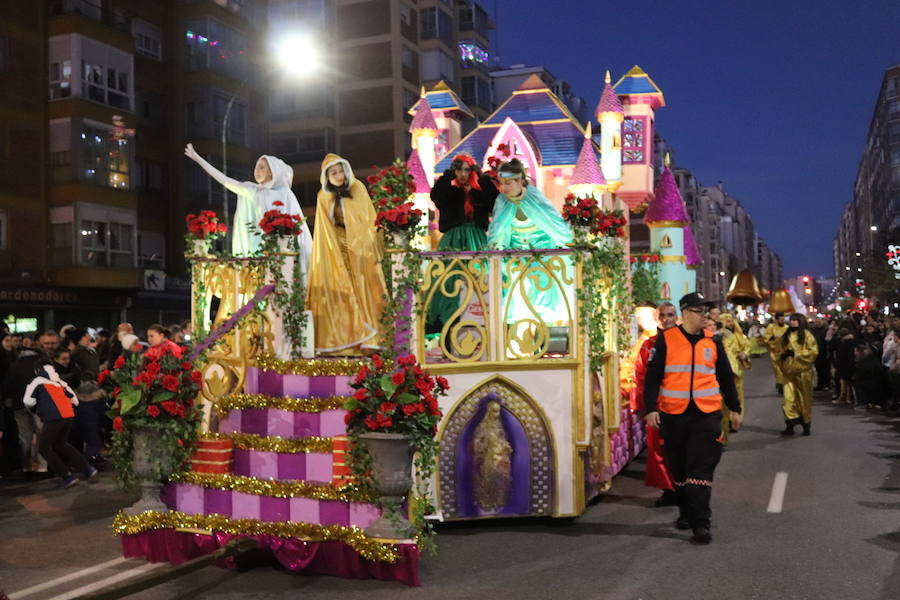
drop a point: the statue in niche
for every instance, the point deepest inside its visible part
(492, 452)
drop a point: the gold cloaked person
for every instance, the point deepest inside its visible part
(772, 338)
(737, 347)
(798, 357)
(346, 283)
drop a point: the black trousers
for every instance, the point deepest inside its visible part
(823, 374)
(56, 450)
(693, 448)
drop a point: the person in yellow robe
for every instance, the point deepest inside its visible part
(772, 338)
(737, 347)
(346, 283)
(798, 357)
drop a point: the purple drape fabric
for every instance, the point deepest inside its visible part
(330, 557)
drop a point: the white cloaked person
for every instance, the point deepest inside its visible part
(273, 185)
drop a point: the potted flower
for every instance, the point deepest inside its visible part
(154, 418)
(390, 190)
(392, 416)
(280, 229)
(202, 229)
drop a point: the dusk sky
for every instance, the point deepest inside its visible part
(771, 98)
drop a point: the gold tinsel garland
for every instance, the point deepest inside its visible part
(310, 367)
(352, 536)
(251, 441)
(226, 404)
(272, 487)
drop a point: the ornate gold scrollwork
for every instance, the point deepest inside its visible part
(465, 280)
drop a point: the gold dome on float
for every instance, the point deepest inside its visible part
(744, 289)
(781, 302)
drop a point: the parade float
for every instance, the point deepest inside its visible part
(531, 406)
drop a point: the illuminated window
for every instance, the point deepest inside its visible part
(666, 241)
(472, 54)
(633, 140)
(107, 244)
(105, 159)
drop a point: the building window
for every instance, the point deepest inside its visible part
(408, 57)
(473, 18)
(236, 118)
(476, 92)
(211, 45)
(310, 145)
(436, 24)
(148, 175)
(151, 250)
(147, 38)
(666, 241)
(633, 140)
(436, 65)
(107, 244)
(409, 98)
(60, 79)
(105, 159)
(406, 14)
(4, 52)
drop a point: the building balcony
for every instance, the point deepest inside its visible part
(91, 19)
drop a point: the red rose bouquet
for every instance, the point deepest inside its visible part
(204, 226)
(157, 390)
(276, 222)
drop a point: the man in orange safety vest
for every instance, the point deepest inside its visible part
(688, 378)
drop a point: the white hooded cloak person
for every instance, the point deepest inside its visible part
(254, 199)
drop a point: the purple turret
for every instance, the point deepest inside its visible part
(587, 170)
(423, 120)
(691, 254)
(667, 206)
(417, 172)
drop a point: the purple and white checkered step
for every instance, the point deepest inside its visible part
(284, 423)
(314, 467)
(196, 500)
(270, 383)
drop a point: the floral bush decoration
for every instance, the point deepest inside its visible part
(391, 189)
(204, 226)
(645, 283)
(289, 297)
(155, 390)
(398, 397)
(586, 216)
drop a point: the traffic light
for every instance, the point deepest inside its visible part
(806, 279)
(861, 305)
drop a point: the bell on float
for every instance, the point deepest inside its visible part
(781, 302)
(744, 289)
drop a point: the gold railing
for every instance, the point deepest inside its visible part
(499, 306)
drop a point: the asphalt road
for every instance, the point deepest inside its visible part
(837, 536)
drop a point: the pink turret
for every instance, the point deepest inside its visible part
(667, 207)
(424, 119)
(587, 176)
(417, 172)
(609, 100)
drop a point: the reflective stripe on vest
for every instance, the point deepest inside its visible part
(690, 372)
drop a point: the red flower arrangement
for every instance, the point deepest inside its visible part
(586, 213)
(644, 258)
(396, 397)
(500, 156)
(204, 226)
(275, 222)
(390, 189)
(155, 390)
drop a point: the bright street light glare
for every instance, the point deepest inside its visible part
(297, 54)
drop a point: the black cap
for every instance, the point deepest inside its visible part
(694, 300)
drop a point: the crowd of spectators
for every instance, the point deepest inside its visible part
(40, 374)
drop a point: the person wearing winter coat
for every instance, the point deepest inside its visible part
(53, 400)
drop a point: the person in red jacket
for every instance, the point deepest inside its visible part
(688, 378)
(656, 475)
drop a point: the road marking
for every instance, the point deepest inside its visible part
(97, 585)
(59, 580)
(776, 500)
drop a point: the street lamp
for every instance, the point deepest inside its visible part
(298, 55)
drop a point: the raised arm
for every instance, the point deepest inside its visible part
(232, 185)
